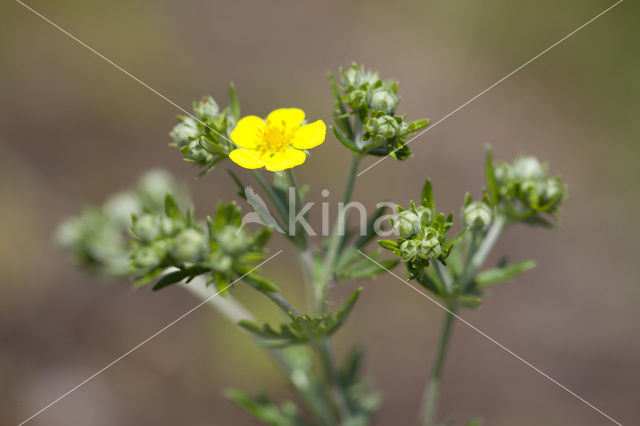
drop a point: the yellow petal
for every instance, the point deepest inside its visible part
(291, 117)
(310, 135)
(246, 133)
(285, 159)
(247, 158)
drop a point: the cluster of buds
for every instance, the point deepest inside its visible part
(421, 234)
(172, 239)
(97, 237)
(372, 101)
(204, 138)
(144, 234)
(523, 191)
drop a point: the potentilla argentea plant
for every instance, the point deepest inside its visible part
(151, 234)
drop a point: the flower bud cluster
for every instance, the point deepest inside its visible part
(421, 236)
(373, 101)
(97, 237)
(143, 233)
(204, 138)
(525, 192)
(173, 239)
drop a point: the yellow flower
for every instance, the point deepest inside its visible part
(277, 144)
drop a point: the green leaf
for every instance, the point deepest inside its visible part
(388, 244)
(466, 301)
(177, 276)
(344, 140)
(503, 274)
(301, 329)
(491, 179)
(234, 105)
(416, 125)
(263, 410)
(171, 208)
(260, 283)
(339, 114)
(427, 196)
(261, 209)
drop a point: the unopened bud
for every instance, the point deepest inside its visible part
(406, 224)
(383, 99)
(477, 216)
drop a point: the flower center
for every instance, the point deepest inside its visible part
(275, 138)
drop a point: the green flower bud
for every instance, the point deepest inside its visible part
(409, 249)
(152, 256)
(356, 99)
(357, 77)
(170, 227)
(206, 108)
(526, 168)
(189, 245)
(383, 99)
(552, 189)
(384, 126)
(406, 224)
(232, 240)
(425, 214)
(504, 173)
(185, 131)
(477, 216)
(146, 228)
(221, 264)
(154, 187)
(120, 207)
(429, 244)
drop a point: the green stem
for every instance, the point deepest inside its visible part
(432, 390)
(336, 237)
(299, 235)
(478, 255)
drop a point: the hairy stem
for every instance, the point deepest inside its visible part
(337, 235)
(234, 311)
(432, 390)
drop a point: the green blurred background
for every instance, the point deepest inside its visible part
(75, 129)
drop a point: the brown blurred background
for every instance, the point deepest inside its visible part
(75, 129)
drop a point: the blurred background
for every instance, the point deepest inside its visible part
(75, 130)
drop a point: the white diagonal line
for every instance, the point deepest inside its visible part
(163, 329)
(76, 39)
(473, 327)
(499, 81)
